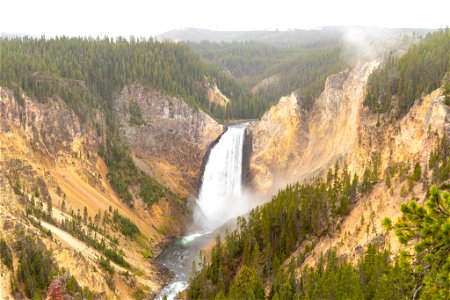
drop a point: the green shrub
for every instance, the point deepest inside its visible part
(6, 254)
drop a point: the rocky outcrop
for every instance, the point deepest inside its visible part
(51, 127)
(289, 144)
(56, 289)
(411, 138)
(168, 138)
(275, 143)
(216, 97)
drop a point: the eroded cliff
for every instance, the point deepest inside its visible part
(289, 144)
(168, 138)
(395, 142)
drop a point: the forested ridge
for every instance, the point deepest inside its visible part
(302, 69)
(401, 80)
(86, 72)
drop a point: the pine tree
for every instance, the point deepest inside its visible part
(85, 215)
(247, 285)
(49, 207)
(417, 172)
(63, 203)
(430, 226)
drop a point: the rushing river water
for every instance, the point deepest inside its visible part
(220, 199)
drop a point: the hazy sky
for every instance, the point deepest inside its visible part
(145, 18)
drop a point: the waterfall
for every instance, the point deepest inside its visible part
(220, 199)
(220, 193)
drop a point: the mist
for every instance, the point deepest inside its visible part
(242, 206)
(373, 43)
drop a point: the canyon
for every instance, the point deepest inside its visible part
(46, 146)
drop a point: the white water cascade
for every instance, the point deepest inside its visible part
(220, 193)
(220, 199)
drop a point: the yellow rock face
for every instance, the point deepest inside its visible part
(215, 96)
(290, 145)
(275, 142)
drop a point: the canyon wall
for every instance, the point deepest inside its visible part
(290, 144)
(408, 140)
(168, 139)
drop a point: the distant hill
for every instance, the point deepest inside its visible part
(278, 37)
(11, 35)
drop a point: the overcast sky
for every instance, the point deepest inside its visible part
(148, 18)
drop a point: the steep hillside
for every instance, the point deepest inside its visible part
(54, 187)
(401, 80)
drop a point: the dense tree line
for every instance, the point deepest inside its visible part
(401, 80)
(6, 254)
(300, 68)
(126, 226)
(374, 276)
(427, 228)
(36, 268)
(439, 162)
(244, 60)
